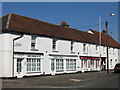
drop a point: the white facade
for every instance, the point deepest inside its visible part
(45, 58)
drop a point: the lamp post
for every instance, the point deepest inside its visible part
(106, 24)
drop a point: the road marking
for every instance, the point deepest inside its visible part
(75, 80)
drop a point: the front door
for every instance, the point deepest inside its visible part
(103, 64)
(20, 67)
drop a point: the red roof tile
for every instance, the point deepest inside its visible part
(24, 24)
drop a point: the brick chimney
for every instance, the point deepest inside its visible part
(63, 23)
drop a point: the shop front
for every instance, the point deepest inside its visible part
(27, 64)
(90, 63)
(63, 64)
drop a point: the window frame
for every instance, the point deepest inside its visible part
(33, 65)
(33, 42)
(84, 48)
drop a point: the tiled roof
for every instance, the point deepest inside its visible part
(24, 24)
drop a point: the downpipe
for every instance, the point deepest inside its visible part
(13, 50)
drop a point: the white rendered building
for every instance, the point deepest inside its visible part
(32, 47)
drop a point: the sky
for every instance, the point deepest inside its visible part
(79, 15)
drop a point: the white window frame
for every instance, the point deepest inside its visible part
(113, 51)
(84, 48)
(54, 44)
(111, 63)
(52, 64)
(59, 65)
(33, 65)
(70, 64)
(103, 49)
(97, 48)
(33, 42)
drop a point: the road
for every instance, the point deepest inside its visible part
(78, 80)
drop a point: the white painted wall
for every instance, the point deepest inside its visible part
(44, 45)
(6, 55)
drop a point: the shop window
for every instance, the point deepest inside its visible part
(97, 63)
(70, 64)
(52, 65)
(92, 64)
(19, 65)
(82, 63)
(33, 65)
(85, 63)
(59, 64)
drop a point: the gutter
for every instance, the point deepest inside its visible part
(13, 50)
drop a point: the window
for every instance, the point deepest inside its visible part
(54, 44)
(71, 46)
(111, 63)
(59, 64)
(116, 60)
(19, 65)
(70, 64)
(92, 63)
(84, 47)
(96, 48)
(118, 51)
(97, 63)
(82, 63)
(85, 64)
(103, 49)
(33, 42)
(52, 65)
(33, 65)
(113, 51)
(109, 51)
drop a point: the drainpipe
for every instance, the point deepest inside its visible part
(13, 49)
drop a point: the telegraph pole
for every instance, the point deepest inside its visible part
(106, 24)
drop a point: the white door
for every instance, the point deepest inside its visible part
(20, 67)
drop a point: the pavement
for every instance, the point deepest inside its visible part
(62, 81)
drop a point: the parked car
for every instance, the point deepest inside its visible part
(117, 68)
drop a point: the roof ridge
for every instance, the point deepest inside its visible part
(48, 22)
(29, 25)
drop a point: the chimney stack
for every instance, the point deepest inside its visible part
(63, 23)
(105, 31)
(106, 24)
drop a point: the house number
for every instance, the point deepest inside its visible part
(18, 44)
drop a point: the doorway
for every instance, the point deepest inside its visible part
(103, 63)
(20, 67)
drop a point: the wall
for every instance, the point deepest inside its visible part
(44, 45)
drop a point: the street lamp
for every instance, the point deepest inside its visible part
(112, 14)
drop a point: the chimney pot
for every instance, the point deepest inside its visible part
(63, 23)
